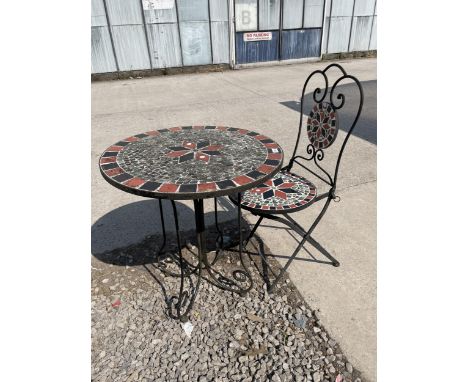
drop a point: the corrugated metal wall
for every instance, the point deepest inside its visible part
(350, 26)
(152, 34)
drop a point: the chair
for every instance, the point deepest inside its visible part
(287, 193)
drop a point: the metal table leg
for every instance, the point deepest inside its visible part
(240, 282)
(184, 302)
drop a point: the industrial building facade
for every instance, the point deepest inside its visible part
(136, 35)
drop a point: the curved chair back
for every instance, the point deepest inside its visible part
(323, 123)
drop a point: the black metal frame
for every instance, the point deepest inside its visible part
(316, 155)
(240, 283)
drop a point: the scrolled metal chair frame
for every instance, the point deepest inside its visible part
(316, 155)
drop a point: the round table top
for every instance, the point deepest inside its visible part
(191, 162)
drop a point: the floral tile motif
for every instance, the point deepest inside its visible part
(201, 150)
(322, 125)
(284, 192)
(189, 162)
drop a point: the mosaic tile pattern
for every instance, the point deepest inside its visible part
(191, 162)
(322, 125)
(283, 193)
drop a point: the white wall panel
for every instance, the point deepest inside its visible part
(164, 45)
(220, 41)
(195, 38)
(124, 12)
(246, 15)
(313, 13)
(339, 34)
(292, 14)
(130, 47)
(360, 34)
(193, 10)
(373, 41)
(98, 13)
(158, 16)
(269, 14)
(342, 8)
(219, 10)
(102, 57)
(364, 8)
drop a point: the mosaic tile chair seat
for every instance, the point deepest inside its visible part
(288, 192)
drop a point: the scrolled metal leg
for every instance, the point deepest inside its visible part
(215, 277)
(160, 264)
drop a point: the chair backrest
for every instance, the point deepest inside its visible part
(323, 123)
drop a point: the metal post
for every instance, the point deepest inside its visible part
(329, 24)
(111, 37)
(146, 34)
(232, 33)
(209, 27)
(280, 32)
(200, 226)
(178, 31)
(323, 24)
(258, 15)
(303, 13)
(372, 25)
(352, 23)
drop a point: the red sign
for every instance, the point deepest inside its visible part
(257, 36)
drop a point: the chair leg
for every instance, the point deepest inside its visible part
(300, 245)
(299, 229)
(323, 251)
(252, 232)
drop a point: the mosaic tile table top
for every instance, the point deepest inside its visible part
(191, 162)
(285, 192)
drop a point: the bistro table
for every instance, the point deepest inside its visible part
(194, 163)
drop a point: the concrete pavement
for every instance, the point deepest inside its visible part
(264, 100)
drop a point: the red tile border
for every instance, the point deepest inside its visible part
(153, 133)
(108, 160)
(114, 171)
(135, 182)
(266, 169)
(168, 187)
(115, 148)
(242, 180)
(203, 187)
(276, 156)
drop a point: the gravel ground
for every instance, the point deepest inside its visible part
(261, 337)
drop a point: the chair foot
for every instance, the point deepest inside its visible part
(336, 263)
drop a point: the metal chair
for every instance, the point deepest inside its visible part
(287, 192)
